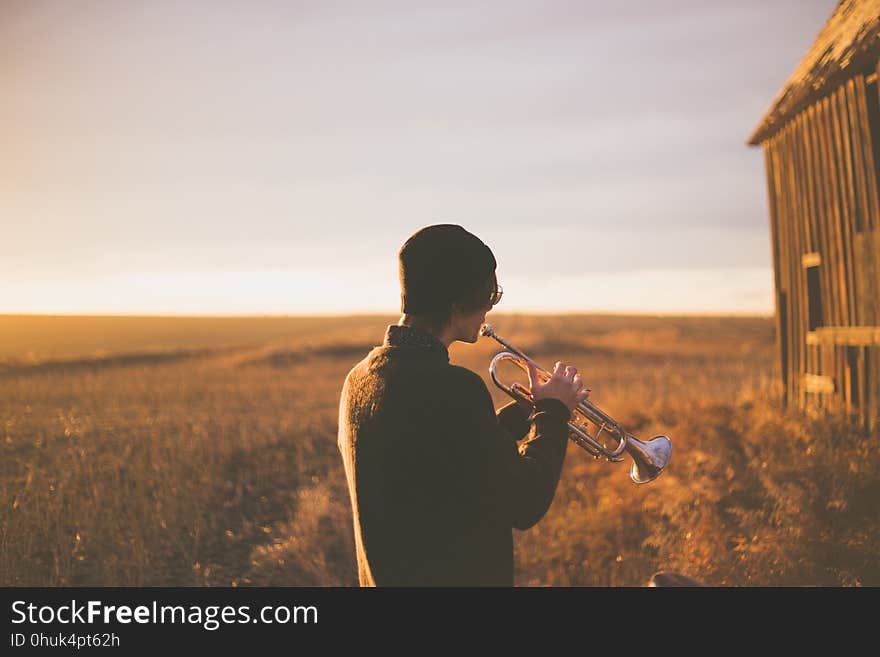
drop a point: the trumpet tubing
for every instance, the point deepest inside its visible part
(649, 458)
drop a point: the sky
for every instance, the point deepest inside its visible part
(267, 157)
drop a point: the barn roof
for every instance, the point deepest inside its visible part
(849, 42)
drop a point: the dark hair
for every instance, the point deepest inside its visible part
(471, 300)
(444, 268)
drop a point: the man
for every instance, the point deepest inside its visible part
(435, 477)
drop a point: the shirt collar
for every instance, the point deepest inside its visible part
(407, 336)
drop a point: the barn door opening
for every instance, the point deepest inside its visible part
(814, 297)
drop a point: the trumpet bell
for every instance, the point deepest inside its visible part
(649, 458)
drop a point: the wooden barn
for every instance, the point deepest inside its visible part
(821, 139)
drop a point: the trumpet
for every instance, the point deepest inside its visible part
(649, 458)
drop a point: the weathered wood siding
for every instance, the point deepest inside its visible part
(822, 181)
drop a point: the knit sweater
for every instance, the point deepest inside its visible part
(436, 479)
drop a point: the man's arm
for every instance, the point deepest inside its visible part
(514, 419)
(518, 482)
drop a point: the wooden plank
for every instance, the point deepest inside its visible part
(833, 366)
(779, 323)
(864, 156)
(810, 366)
(809, 165)
(823, 211)
(860, 384)
(798, 229)
(842, 161)
(857, 191)
(787, 230)
(782, 233)
(802, 186)
(852, 124)
(818, 384)
(826, 249)
(813, 364)
(847, 382)
(854, 336)
(839, 163)
(803, 240)
(812, 259)
(828, 366)
(872, 382)
(841, 120)
(771, 203)
(784, 349)
(870, 408)
(875, 387)
(832, 221)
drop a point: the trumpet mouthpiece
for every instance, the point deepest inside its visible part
(486, 330)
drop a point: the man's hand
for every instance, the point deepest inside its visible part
(565, 385)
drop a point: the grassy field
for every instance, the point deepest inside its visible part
(202, 451)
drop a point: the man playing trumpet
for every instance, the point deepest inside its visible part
(436, 478)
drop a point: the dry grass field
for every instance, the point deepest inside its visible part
(202, 451)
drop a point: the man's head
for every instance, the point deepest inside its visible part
(447, 280)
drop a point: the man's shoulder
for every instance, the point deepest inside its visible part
(465, 376)
(369, 360)
(362, 368)
(467, 383)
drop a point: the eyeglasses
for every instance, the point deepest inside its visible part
(495, 296)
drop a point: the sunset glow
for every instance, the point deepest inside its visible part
(195, 158)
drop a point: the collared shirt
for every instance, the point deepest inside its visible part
(398, 336)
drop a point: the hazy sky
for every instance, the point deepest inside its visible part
(271, 157)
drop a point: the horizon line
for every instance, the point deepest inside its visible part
(340, 315)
